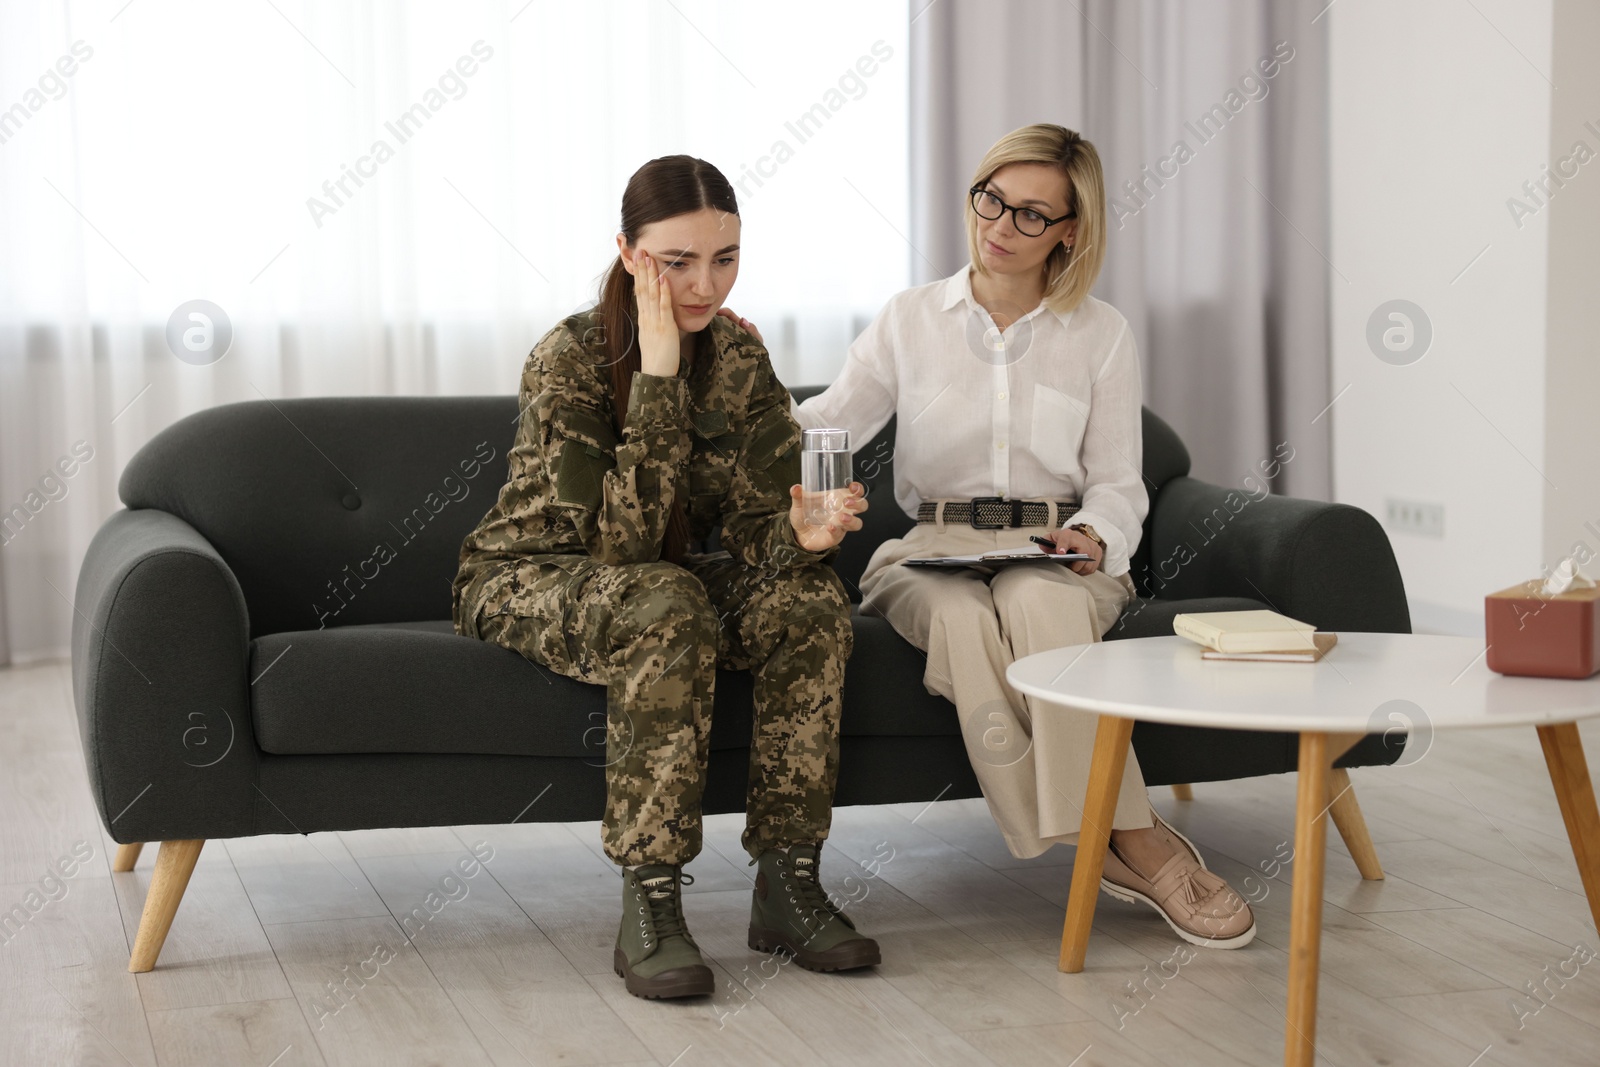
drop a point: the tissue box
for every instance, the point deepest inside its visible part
(1549, 636)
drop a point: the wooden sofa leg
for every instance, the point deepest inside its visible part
(174, 864)
(127, 856)
(1346, 812)
(1183, 792)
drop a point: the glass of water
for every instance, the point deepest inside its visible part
(824, 474)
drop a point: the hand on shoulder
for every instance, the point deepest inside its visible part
(743, 323)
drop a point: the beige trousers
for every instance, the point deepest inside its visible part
(1031, 758)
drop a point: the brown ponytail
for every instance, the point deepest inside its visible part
(662, 188)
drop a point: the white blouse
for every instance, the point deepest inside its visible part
(1048, 408)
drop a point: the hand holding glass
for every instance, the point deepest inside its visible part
(824, 474)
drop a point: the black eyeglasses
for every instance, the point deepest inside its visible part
(1028, 222)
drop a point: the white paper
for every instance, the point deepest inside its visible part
(1565, 577)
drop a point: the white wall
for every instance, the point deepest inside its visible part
(1572, 380)
(1440, 111)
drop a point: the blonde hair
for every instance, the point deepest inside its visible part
(1068, 277)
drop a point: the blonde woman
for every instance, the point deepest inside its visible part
(1018, 396)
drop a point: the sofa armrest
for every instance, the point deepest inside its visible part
(1330, 565)
(160, 661)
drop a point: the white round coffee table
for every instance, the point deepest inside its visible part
(1368, 683)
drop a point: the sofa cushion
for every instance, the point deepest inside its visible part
(419, 687)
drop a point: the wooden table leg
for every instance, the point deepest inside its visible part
(1569, 774)
(1346, 812)
(1111, 740)
(1305, 924)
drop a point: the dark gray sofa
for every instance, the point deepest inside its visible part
(248, 659)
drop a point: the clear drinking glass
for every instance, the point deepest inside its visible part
(824, 474)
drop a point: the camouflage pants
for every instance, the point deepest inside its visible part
(653, 634)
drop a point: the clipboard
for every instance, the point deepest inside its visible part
(1032, 555)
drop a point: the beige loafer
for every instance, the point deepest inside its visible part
(1172, 831)
(1197, 903)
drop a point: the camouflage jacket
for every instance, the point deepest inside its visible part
(718, 436)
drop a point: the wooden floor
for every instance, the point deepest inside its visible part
(1433, 966)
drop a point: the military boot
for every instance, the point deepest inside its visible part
(655, 955)
(790, 912)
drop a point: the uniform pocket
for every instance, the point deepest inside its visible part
(772, 456)
(708, 480)
(1059, 421)
(536, 615)
(587, 451)
(586, 426)
(711, 464)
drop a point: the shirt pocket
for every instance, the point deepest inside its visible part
(711, 465)
(1059, 422)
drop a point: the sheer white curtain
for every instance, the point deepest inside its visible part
(389, 199)
(1216, 250)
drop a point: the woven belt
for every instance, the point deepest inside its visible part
(994, 513)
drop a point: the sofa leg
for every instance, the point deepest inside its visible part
(1346, 812)
(1183, 792)
(127, 856)
(174, 864)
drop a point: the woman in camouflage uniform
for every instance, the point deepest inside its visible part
(647, 422)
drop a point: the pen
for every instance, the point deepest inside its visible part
(1045, 542)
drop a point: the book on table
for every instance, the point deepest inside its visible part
(1323, 642)
(1242, 632)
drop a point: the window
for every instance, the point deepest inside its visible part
(402, 199)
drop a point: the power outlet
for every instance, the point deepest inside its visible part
(1416, 517)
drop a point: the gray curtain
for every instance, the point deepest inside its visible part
(1217, 257)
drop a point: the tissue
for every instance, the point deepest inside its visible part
(1565, 577)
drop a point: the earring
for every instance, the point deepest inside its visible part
(1069, 250)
